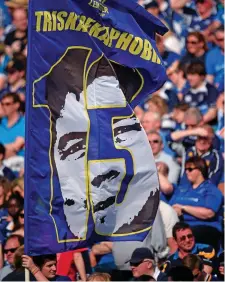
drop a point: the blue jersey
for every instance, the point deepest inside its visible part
(199, 24)
(220, 16)
(203, 97)
(169, 58)
(206, 195)
(215, 66)
(206, 252)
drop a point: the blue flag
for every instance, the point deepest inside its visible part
(90, 172)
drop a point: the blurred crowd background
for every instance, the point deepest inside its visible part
(184, 122)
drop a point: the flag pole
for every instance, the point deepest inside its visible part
(27, 275)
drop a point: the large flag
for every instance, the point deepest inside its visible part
(90, 172)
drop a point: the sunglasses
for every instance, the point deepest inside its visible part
(7, 104)
(21, 215)
(189, 236)
(154, 141)
(192, 42)
(220, 39)
(10, 250)
(190, 169)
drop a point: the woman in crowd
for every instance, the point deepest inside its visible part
(200, 205)
(196, 46)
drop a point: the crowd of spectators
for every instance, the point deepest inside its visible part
(184, 123)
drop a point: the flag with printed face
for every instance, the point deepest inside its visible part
(90, 172)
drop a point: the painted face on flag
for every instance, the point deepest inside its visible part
(111, 181)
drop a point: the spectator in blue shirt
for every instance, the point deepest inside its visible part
(215, 61)
(12, 127)
(196, 48)
(186, 243)
(201, 94)
(201, 204)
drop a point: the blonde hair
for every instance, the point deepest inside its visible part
(99, 277)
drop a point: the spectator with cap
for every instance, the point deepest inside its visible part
(4, 170)
(185, 239)
(200, 204)
(16, 82)
(12, 127)
(215, 61)
(156, 144)
(11, 245)
(142, 262)
(201, 94)
(16, 40)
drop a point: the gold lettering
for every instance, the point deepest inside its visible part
(61, 22)
(38, 22)
(105, 36)
(96, 29)
(136, 46)
(54, 20)
(86, 25)
(147, 52)
(154, 56)
(81, 24)
(124, 41)
(114, 34)
(71, 21)
(47, 26)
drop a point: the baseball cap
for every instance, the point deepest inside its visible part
(140, 254)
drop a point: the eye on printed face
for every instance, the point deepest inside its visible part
(69, 155)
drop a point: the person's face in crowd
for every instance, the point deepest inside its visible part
(178, 115)
(185, 239)
(190, 122)
(193, 44)
(174, 75)
(49, 269)
(204, 6)
(152, 107)
(192, 172)
(9, 106)
(160, 44)
(14, 76)
(155, 143)
(203, 144)
(20, 19)
(21, 218)
(150, 123)
(10, 247)
(141, 268)
(219, 38)
(13, 207)
(195, 80)
(18, 189)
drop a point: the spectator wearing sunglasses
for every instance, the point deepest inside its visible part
(196, 48)
(11, 245)
(142, 262)
(156, 144)
(201, 204)
(183, 235)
